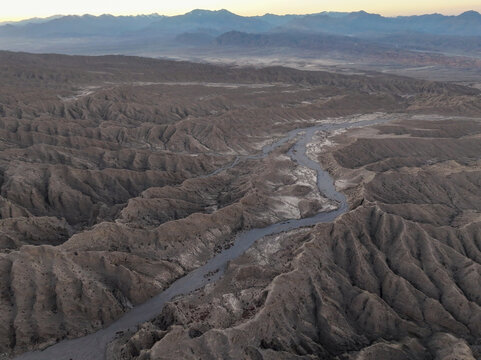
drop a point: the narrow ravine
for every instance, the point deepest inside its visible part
(92, 347)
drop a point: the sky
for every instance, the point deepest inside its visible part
(22, 9)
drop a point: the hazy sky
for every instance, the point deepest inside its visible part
(19, 9)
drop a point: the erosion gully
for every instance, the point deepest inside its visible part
(93, 346)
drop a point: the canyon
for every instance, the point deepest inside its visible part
(123, 176)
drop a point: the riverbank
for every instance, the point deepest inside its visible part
(92, 347)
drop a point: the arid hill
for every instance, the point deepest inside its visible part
(116, 179)
(397, 277)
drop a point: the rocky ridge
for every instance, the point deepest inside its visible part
(396, 277)
(105, 197)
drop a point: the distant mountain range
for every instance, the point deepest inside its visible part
(363, 23)
(217, 22)
(205, 21)
(35, 20)
(355, 32)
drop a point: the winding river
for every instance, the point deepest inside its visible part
(93, 346)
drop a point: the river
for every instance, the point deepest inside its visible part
(93, 346)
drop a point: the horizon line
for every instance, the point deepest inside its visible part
(15, 20)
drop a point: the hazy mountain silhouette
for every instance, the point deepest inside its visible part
(363, 23)
(86, 25)
(35, 20)
(213, 22)
(216, 22)
(89, 34)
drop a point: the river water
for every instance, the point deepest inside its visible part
(93, 346)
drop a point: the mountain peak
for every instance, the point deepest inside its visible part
(362, 13)
(471, 14)
(200, 12)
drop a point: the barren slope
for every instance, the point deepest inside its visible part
(105, 196)
(397, 277)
